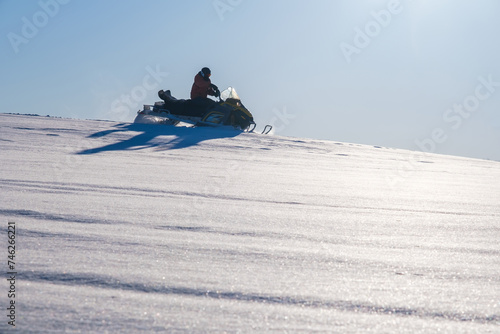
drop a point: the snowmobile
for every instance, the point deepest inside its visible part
(227, 111)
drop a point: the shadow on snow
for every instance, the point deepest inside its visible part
(149, 136)
(108, 282)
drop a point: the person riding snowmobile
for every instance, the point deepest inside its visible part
(202, 86)
(199, 102)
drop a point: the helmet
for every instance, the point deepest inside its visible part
(205, 72)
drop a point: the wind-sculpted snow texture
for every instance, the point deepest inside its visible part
(133, 228)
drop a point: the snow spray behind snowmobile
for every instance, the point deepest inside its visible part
(228, 111)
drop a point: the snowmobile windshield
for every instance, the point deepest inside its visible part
(229, 93)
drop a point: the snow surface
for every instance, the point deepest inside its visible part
(132, 228)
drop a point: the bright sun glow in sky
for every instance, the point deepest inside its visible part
(422, 75)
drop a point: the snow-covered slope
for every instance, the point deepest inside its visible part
(145, 228)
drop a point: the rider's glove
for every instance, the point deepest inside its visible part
(215, 90)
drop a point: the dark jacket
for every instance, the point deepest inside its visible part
(201, 87)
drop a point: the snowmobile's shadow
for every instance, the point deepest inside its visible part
(150, 136)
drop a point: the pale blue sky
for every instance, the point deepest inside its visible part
(421, 75)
